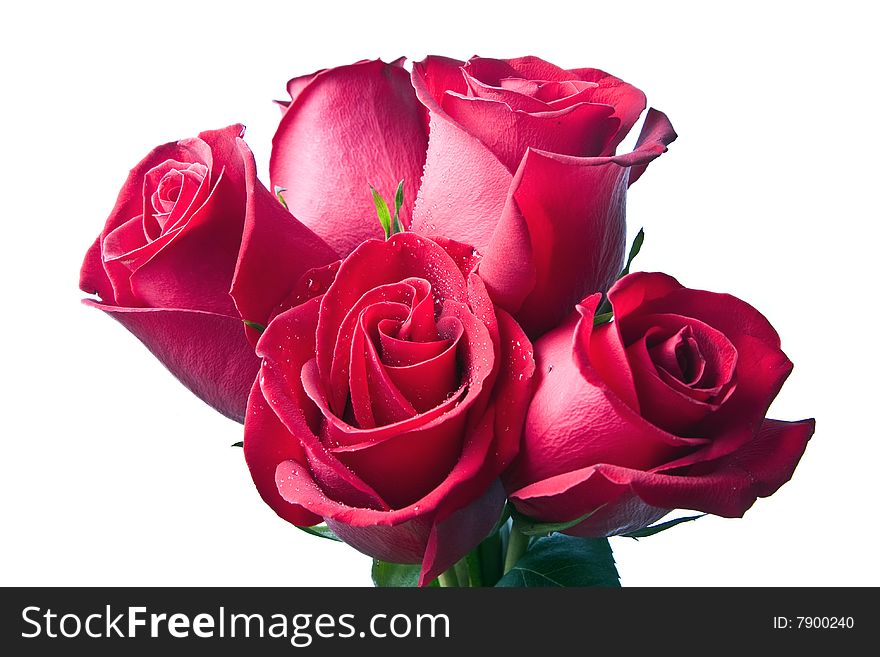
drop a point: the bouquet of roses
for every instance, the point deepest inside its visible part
(463, 381)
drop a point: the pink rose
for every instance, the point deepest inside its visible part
(521, 163)
(168, 258)
(662, 408)
(390, 404)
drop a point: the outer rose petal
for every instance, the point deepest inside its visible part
(266, 444)
(563, 230)
(457, 534)
(464, 186)
(349, 127)
(276, 250)
(208, 353)
(513, 388)
(633, 498)
(580, 130)
(92, 277)
(402, 535)
(628, 101)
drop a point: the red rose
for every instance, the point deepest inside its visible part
(344, 129)
(662, 408)
(168, 256)
(390, 404)
(521, 163)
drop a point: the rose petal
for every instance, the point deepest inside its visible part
(287, 348)
(434, 76)
(92, 277)
(599, 350)
(400, 295)
(207, 352)
(266, 444)
(565, 497)
(461, 485)
(663, 404)
(338, 432)
(194, 268)
(460, 532)
(580, 130)
(350, 127)
(409, 465)
(428, 382)
(276, 250)
(457, 201)
(563, 227)
(513, 388)
(492, 71)
(375, 397)
(514, 99)
(401, 353)
(726, 487)
(124, 239)
(716, 356)
(420, 325)
(191, 193)
(628, 101)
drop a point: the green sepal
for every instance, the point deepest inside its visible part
(386, 574)
(662, 527)
(531, 527)
(323, 531)
(382, 211)
(254, 325)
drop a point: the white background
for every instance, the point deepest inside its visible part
(113, 474)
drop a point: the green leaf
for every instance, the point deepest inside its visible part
(398, 203)
(604, 313)
(254, 325)
(530, 527)
(564, 561)
(633, 251)
(382, 211)
(662, 527)
(398, 198)
(320, 530)
(604, 318)
(398, 575)
(240, 443)
(278, 191)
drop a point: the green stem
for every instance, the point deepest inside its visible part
(449, 578)
(516, 547)
(491, 558)
(461, 572)
(475, 568)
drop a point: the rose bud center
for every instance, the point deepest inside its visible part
(683, 369)
(177, 187)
